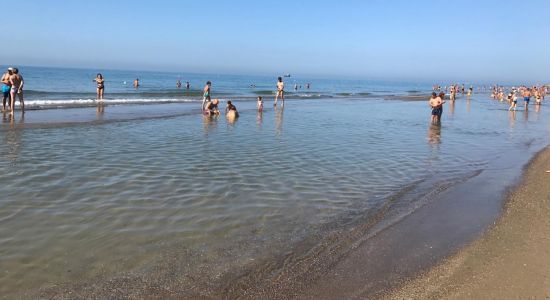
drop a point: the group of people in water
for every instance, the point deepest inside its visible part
(525, 92)
(12, 87)
(437, 100)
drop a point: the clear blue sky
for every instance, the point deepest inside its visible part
(475, 40)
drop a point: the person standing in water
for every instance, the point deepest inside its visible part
(178, 84)
(435, 104)
(6, 88)
(17, 83)
(187, 85)
(526, 97)
(280, 91)
(136, 83)
(260, 104)
(100, 86)
(206, 93)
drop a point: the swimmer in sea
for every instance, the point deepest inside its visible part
(100, 86)
(206, 93)
(178, 84)
(280, 91)
(136, 83)
(187, 85)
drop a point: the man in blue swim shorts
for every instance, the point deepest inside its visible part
(6, 88)
(526, 97)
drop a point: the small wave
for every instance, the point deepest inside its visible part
(74, 103)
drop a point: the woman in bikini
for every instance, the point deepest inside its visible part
(100, 86)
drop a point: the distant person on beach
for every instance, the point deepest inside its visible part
(307, 86)
(16, 81)
(280, 91)
(260, 104)
(526, 97)
(435, 104)
(100, 86)
(211, 107)
(178, 84)
(6, 88)
(187, 85)
(136, 83)
(206, 93)
(231, 110)
(295, 86)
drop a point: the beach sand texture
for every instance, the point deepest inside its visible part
(512, 261)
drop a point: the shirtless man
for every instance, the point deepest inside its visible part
(17, 83)
(136, 83)
(280, 91)
(526, 97)
(6, 88)
(435, 103)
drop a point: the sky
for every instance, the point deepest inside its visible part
(376, 39)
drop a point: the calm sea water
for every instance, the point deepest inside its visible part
(159, 193)
(52, 87)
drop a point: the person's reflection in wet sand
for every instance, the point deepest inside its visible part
(452, 108)
(434, 135)
(512, 118)
(260, 119)
(209, 122)
(13, 136)
(468, 105)
(279, 113)
(100, 111)
(537, 108)
(526, 115)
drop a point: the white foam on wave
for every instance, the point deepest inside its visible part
(93, 102)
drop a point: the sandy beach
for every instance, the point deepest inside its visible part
(511, 261)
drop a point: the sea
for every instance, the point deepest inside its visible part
(145, 195)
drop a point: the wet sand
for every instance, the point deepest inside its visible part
(511, 261)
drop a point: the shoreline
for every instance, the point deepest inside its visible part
(509, 261)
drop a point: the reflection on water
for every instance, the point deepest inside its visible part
(434, 135)
(451, 108)
(279, 113)
(260, 119)
(210, 123)
(13, 136)
(100, 112)
(526, 115)
(468, 104)
(512, 118)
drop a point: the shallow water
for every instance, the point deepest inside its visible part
(90, 196)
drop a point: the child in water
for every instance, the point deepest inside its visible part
(260, 104)
(231, 110)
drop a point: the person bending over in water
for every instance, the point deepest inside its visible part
(280, 91)
(17, 83)
(100, 86)
(231, 110)
(260, 104)
(513, 99)
(206, 93)
(211, 107)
